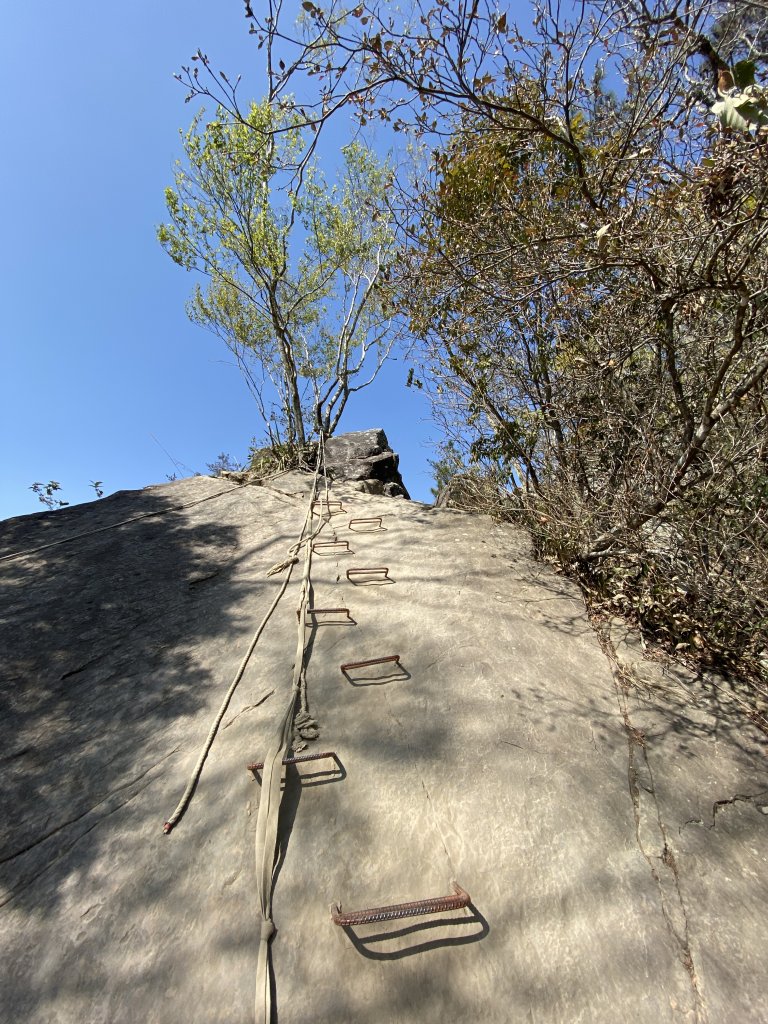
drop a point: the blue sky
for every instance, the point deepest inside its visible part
(97, 356)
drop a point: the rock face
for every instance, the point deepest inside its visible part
(609, 819)
(365, 459)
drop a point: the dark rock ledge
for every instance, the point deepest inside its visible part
(364, 458)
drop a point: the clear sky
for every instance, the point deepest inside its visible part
(97, 356)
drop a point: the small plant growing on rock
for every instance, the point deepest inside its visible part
(281, 457)
(224, 463)
(46, 494)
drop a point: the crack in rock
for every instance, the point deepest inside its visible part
(26, 882)
(89, 810)
(650, 831)
(718, 805)
(248, 707)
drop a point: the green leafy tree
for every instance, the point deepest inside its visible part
(586, 266)
(294, 264)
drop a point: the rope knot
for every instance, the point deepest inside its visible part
(267, 930)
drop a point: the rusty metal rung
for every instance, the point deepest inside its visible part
(328, 611)
(327, 504)
(259, 766)
(367, 572)
(373, 519)
(459, 900)
(373, 661)
(324, 611)
(330, 544)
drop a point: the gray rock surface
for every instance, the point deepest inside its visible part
(364, 456)
(607, 819)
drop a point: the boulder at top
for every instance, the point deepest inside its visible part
(365, 456)
(608, 818)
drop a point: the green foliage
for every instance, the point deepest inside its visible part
(744, 73)
(46, 493)
(293, 262)
(740, 35)
(587, 272)
(745, 110)
(446, 466)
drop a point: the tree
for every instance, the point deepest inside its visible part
(593, 273)
(741, 32)
(586, 266)
(294, 265)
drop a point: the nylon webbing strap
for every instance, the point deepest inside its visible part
(271, 795)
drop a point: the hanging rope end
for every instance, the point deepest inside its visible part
(167, 827)
(282, 565)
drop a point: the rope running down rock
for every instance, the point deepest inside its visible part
(194, 777)
(134, 519)
(271, 796)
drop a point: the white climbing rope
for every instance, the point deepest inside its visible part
(271, 796)
(197, 770)
(135, 519)
(114, 526)
(288, 563)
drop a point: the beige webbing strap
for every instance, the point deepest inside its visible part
(271, 795)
